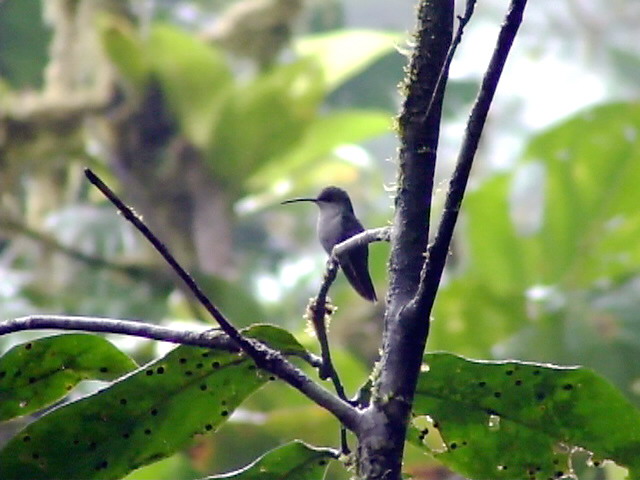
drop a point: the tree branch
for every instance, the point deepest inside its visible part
(211, 338)
(438, 251)
(280, 367)
(382, 234)
(265, 357)
(419, 134)
(407, 320)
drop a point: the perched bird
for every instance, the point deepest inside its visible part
(336, 223)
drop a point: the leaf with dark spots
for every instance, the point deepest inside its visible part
(40, 372)
(143, 417)
(527, 423)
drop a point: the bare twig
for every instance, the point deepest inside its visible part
(438, 251)
(382, 234)
(319, 305)
(265, 358)
(319, 309)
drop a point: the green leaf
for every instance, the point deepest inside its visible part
(38, 373)
(345, 53)
(144, 417)
(293, 461)
(568, 212)
(459, 326)
(126, 51)
(194, 77)
(513, 420)
(322, 136)
(263, 119)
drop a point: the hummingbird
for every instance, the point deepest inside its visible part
(336, 223)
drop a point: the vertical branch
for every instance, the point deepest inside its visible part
(438, 252)
(419, 142)
(412, 293)
(382, 434)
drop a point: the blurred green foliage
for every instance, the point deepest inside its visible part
(548, 260)
(265, 129)
(23, 43)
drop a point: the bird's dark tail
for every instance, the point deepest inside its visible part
(355, 266)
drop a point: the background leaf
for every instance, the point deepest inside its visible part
(264, 118)
(545, 247)
(23, 43)
(345, 53)
(322, 136)
(126, 51)
(194, 77)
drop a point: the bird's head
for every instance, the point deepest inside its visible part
(329, 198)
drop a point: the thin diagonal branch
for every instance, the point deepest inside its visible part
(265, 358)
(137, 222)
(438, 252)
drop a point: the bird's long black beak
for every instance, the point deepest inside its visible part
(293, 200)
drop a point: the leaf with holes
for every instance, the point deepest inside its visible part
(514, 420)
(37, 373)
(142, 418)
(293, 461)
